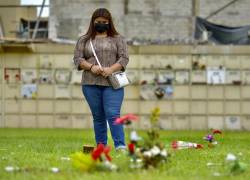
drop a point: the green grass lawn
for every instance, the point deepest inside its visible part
(35, 151)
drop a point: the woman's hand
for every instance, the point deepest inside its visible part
(107, 71)
(96, 70)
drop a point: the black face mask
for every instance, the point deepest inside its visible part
(100, 27)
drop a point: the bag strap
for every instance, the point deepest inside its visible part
(93, 50)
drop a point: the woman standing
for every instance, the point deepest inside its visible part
(104, 101)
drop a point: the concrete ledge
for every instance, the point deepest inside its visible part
(53, 48)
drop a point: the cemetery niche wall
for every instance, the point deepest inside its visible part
(194, 89)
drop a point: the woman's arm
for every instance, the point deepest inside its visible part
(84, 65)
(79, 61)
(109, 70)
(122, 52)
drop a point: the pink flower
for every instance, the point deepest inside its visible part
(174, 145)
(126, 119)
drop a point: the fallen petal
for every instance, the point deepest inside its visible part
(9, 168)
(65, 158)
(216, 174)
(210, 164)
(54, 169)
(215, 143)
(230, 157)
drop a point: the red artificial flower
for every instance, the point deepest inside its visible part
(216, 131)
(131, 148)
(101, 149)
(106, 151)
(199, 146)
(126, 119)
(97, 152)
(174, 145)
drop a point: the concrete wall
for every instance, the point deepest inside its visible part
(12, 2)
(191, 106)
(10, 16)
(238, 14)
(144, 19)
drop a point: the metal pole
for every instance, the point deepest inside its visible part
(38, 21)
(221, 9)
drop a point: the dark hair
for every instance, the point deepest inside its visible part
(101, 12)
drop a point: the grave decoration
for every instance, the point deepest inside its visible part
(185, 145)
(149, 152)
(211, 138)
(99, 159)
(232, 165)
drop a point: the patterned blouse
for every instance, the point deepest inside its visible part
(109, 50)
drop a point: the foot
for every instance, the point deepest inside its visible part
(122, 149)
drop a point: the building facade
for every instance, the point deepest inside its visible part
(158, 20)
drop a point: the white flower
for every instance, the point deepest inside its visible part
(138, 160)
(54, 169)
(11, 168)
(147, 153)
(164, 153)
(110, 166)
(215, 143)
(155, 151)
(134, 136)
(230, 157)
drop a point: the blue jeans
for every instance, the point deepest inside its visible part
(105, 105)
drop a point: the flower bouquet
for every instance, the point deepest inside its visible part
(149, 152)
(211, 138)
(99, 159)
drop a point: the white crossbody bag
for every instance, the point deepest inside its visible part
(117, 79)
